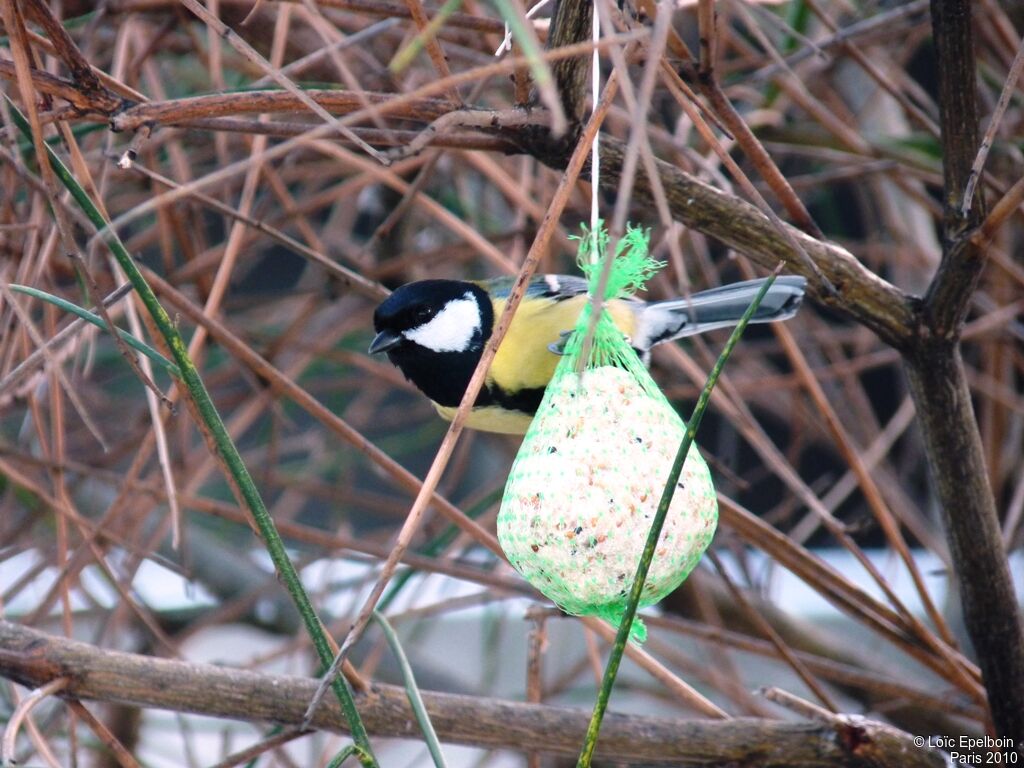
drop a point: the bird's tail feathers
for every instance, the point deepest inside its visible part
(722, 308)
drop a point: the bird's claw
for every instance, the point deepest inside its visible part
(558, 347)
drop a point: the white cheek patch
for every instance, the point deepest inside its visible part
(450, 330)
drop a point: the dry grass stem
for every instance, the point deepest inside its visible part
(275, 177)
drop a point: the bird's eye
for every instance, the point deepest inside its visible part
(422, 314)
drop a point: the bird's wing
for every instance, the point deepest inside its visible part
(556, 287)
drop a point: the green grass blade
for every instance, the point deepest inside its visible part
(225, 447)
(419, 709)
(344, 755)
(622, 637)
(90, 317)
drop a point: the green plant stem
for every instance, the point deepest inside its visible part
(344, 755)
(96, 320)
(419, 709)
(218, 433)
(622, 637)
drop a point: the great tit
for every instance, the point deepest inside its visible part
(435, 331)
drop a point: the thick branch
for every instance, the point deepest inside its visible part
(860, 293)
(52, 85)
(257, 102)
(571, 23)
(68, 52)
(948, 296)
(939, 388)
(943, 401)
(958, 103)
(33, 658)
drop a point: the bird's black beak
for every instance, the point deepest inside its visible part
(384, 341)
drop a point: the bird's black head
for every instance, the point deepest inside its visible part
(435, 331)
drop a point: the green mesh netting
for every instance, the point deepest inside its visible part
(588, 477)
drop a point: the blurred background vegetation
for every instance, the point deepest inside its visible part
(269, 239)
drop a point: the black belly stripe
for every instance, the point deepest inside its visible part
(525, 400)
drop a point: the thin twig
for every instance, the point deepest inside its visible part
(1009, 86)
(285, 82)
(100, 730)
(20, 715)
(434, 50)
(412, 522)
(10, 383)
(780, 645)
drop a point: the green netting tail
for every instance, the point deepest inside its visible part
(633, 265)
(613, 615)
(630, 269)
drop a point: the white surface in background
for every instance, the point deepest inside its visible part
(481, 647)
(348, 582)
(789, 593)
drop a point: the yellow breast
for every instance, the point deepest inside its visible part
(524, 360)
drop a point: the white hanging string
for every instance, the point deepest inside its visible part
(595, 159)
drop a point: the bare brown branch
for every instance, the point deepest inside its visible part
(815, 435)
(859, 292)
(570, 25)
(33, 658)
(938, 382)
(946, 302)
(81, 71)
(255, 102)
(378, 8)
